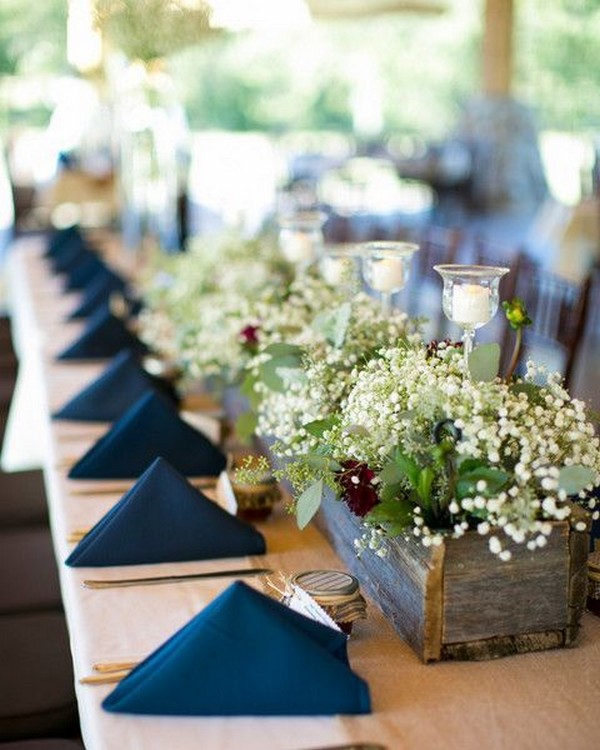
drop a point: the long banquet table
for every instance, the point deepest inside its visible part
(540, 700)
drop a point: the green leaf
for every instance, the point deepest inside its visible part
(245, 426)
(466, 485)
(484, 362)
(424, 483)
(395, 515)
(320, 426)
(574, 479)
(247, 390)
(408, 468)
(282, 349)
(356, 429)
(334, 324)
(391, 473)
(308, 503)
(292, 375)
(533, 391)
(270, 371)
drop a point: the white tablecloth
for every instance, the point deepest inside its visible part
(544, 700)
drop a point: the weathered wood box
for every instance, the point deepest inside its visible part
(458, 601)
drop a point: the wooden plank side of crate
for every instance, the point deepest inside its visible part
(486, 598)
(578, 572)
(405, 583)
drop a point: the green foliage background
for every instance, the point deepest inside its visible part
(305, 79)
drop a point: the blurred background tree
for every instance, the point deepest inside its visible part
(424, 67)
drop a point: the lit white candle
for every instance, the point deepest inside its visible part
(297, 246)
(387, 274)
(470, 304)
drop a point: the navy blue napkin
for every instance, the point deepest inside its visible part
(109, 396)
(164, 519)
(73, 254)
(104, 337)
(245, 655)
(97, 293)
(82, 273)
(61, 239)
(150, 428)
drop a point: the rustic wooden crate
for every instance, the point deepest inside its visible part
(458, 601)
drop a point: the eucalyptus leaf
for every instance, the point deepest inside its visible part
(247, 390)
(281, 349)
(533, 391)
(271, 371)
(320, 426)
(245, 426)
(333, 324)
(270, 377)
(356, 429)
(574, 479)
(484, 362)
(292, 375)
(466, 486)
(308, 503)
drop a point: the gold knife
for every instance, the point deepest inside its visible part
(120, 582)
(116, 487)
(104, 679)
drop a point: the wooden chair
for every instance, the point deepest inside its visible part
(558, 308)
(437, 246)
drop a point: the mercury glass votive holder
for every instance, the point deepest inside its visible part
(470, 298)
(386, 268)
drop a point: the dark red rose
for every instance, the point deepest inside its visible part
(356, 480)
(249, 336)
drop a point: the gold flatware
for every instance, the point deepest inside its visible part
(66, 462)
(105, 667)
(104, 679)
(121, 582)
(77, 535)
(114, 487)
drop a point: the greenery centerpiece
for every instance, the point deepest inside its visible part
(419, 461)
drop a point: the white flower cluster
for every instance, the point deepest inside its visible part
(529, 434)
(198, 302)
(329, 369)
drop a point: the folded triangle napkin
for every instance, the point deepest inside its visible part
(97, 293)
(245, 655)
(84, 272)
(73, 254)
(150, 428)
(109, 396)
(164, 519)
(61, 239)
(104, 336)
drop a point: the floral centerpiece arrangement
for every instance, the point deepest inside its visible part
(197, 303)
(231, 310)
(417, 447)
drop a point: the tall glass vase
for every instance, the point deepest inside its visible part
(152, 137)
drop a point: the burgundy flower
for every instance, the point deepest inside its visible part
(356, 480)
(249, 336)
